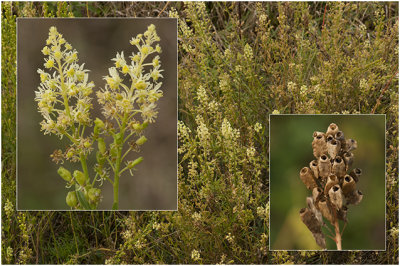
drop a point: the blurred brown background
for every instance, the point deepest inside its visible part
(154, 184)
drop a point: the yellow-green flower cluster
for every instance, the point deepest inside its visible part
(119, 99)
(63, 95)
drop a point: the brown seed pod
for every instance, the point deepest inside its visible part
(317, 193)
(308, 218)
(332, 129)
(314, 168)
(351, 144)
(355, 197)
(355, 174)
(349, 185)
(333, 147)
(326, 212)
(336, 196)
(339, 136)
(329, 138)
(332, 180)
(339, 167)
(306, 176)
(319, 144)
(315, 211)
(348, 159)
(324, 166)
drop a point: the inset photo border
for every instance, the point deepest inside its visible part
(50, 171)
(306, 213)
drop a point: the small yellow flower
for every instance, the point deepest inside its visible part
(49, 63)
(275, 112)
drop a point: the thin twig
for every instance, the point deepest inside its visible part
(378, 101)
(165, 7)
(323, 19)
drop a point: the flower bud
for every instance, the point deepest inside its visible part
(94, 194)
(349, 185)
(142, 140)
(98, 123)
(87, 144)
(71, 199)
(80, 177)
(324, 166)
(332, 129)
(132, 164)
(307, 177)
(339, 167)
(118, 138)
(64, 173)
(101, 145)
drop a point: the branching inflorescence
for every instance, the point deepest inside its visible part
(332, 183)
(64, 101)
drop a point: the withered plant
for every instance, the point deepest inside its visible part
(332, 183)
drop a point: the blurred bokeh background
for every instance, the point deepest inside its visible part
(154, 184)
(290, 150)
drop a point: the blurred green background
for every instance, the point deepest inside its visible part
(97, 40)
(290, 150)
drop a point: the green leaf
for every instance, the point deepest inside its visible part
(82, 200)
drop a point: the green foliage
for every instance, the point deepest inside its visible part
(239, 62)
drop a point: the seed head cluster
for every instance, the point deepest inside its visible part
(331, 180)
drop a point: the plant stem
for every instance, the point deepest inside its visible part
(118, 164)
(338, 238)
(84, 166)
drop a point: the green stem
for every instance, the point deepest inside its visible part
(84, 166)
(118, 164)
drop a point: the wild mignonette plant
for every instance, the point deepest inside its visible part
(332, 182)
(64, 101)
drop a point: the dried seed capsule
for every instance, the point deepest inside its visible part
(71, 199)
(355, 174)
(333, 148)
(329, 138)
(336, 196)
(317, 213)
(339, 167)
(332, 181)
(308, 218)
(339, 136)
(342, 214)
(324, 166)
(355, 197)
(351, 144)
(319, 144)
(314, 168)
(332, 129)
(349, 185)
(348, 159)
(316, 193)
(307, 177)
(326, 212)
